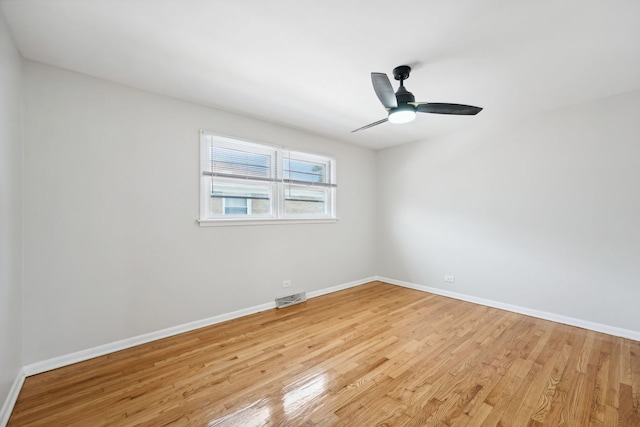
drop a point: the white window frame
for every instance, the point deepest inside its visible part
(276, 184)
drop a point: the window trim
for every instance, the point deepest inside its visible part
(277, 185)
(261, 221)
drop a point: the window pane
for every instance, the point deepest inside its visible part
(235, 206)
(235, 211)
(239, 162)
(235, 203)
(304, 171)
(239, 199)
(305, 201)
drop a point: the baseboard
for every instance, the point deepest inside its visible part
(554, 317)
(342, 287)
(80, 356)
(12, 397)
(101, 350)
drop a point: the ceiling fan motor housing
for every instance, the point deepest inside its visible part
(404, 96)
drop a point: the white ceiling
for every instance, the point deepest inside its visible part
(306, 64)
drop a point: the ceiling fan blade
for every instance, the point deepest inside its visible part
(384, 90)
(371, 125)
(441, 108)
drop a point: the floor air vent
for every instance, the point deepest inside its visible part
(283, 302)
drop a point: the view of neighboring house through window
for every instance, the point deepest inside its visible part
(237, 206)
(244, 181)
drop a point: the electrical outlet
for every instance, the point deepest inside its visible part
(286, 284)
(449, 278)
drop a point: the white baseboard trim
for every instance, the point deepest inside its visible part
(342, 287)
(101, 350)
(559, 318)
(12, 397)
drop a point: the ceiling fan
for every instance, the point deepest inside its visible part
(402, 106)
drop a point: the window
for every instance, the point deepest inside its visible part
(248, 182)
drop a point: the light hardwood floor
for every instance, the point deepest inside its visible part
(376, 354)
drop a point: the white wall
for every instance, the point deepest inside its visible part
(543, 213)
(111, 247)
(10, 211)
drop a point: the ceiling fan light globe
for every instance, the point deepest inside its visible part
(402, 116)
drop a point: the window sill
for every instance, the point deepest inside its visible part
(234, 222)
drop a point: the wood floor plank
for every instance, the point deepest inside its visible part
(375, 354)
